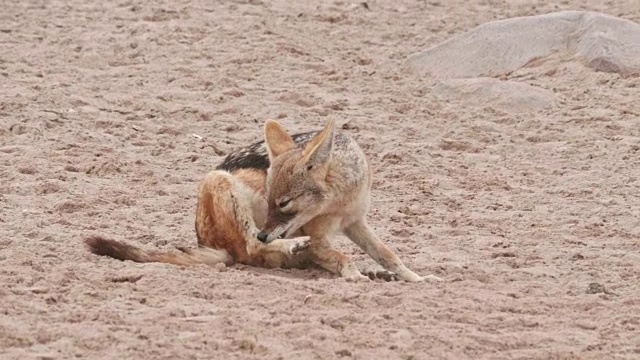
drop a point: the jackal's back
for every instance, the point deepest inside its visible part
(255, 156)
(349, 167)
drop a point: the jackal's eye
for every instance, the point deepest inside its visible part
(283, 204)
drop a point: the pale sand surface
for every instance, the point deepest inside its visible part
(519, 202)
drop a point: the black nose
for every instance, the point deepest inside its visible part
(262, 236)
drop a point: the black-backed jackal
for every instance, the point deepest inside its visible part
(278, 203)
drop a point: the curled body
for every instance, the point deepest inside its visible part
(278, 203)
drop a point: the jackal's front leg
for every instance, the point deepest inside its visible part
(330, 259)
(361, 234)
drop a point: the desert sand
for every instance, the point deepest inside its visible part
(517, 182)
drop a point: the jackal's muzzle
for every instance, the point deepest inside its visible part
(266, 237)
(263, 236)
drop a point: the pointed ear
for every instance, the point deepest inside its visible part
(318, 151)
(277, 139)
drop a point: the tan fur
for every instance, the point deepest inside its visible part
(278, 141)
(309, 194)
(322, 190)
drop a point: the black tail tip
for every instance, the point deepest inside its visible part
(93, 242)
(104, 247)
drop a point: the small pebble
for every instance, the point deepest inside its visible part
(595, 288)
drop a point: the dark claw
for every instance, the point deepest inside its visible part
(381, 274)
(300, 248)
(387, 275)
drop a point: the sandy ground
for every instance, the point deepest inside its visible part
(519, 211)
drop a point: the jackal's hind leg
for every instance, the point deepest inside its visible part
(226, 218)
(293, 246)
(281, 253)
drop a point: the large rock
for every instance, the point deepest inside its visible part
(511, 96)
(602, 42)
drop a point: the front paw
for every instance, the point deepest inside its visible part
(409, 276)
(432, 278)
(356, 278)
(428, 278)
(381, 274)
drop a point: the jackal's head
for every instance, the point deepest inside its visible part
(296, 181)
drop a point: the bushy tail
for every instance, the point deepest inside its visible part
(122, 251)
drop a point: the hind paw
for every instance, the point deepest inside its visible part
(298, 245)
